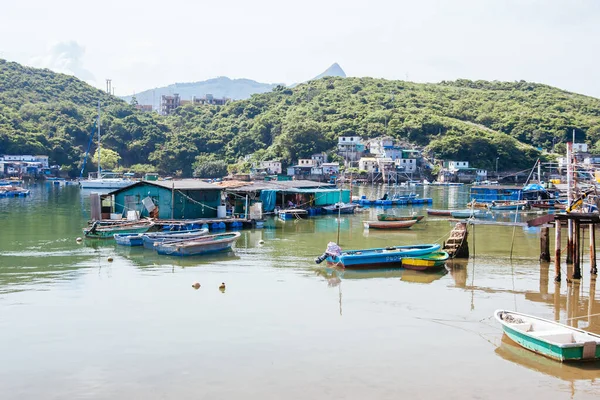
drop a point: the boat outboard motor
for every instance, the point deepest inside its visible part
(321, 258)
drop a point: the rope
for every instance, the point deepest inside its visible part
(195, 201)
(584, 316)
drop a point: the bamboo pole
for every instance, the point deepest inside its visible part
(576, 252)
(173, 200)
(593, 268)
(557, 228)
(570, 241)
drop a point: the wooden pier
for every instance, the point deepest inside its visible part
(576, 224)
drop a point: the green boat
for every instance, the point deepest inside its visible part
(548, 338)
(428, 262)
(100, 231)
(391, 217)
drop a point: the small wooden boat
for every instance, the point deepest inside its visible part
(98, 231)
(508, 205)
(548, 338)
(468, 213)
(198, 246)
(549, 206)
(149, 239)
(388, 257)
(429, 262)
(389, 224)
(440, 213)
(342, 208)
(391, 217)
(292, 213)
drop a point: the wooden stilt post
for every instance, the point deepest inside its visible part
(576, 251)
(545, 244)
(570, 241)
(593, 268)
(557, 245)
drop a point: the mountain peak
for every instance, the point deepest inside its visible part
(334, 70)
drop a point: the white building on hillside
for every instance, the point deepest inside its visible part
(350, 147)
(368, 164)
(407, 165)
(455, 165)
(330, 168)
(319, 158)
(42, 160)
(272, 167)
(307, 162)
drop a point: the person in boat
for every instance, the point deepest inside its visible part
(385, 197)
(290, 204)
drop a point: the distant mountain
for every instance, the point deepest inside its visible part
(236, 89)
(334, 70)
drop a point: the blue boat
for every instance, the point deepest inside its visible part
(198, 246)
(468, 213)
(160, 237)
(341, 208)
(387, 257)
(129, 239)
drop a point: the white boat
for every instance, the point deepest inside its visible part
(107, 180)
(548, 338)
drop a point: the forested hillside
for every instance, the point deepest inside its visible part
(473, 121)
(42, 112)
(46, 113)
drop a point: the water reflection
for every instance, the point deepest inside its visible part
(514, 353)
(141, 257)
(405, 275)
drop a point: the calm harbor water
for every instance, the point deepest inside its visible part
(73, 325)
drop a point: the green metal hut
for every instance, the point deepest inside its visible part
(175, 199)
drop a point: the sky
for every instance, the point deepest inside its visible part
(145, 44)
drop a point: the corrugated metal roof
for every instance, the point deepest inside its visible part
(186, 184)
(279, 185)
(181, 184)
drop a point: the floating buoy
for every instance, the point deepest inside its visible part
(109, 259)
(222, 287)
(261, 242)
(196, 285)
(78, 240)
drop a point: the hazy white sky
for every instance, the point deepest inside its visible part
(150, 43)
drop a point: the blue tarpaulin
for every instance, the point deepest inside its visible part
(533, 187)
(268, 199)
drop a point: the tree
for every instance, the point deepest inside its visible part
(211, 169)
(133, 101)
(109, 159)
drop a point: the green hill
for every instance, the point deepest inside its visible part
(44, 112)
(473, 121)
